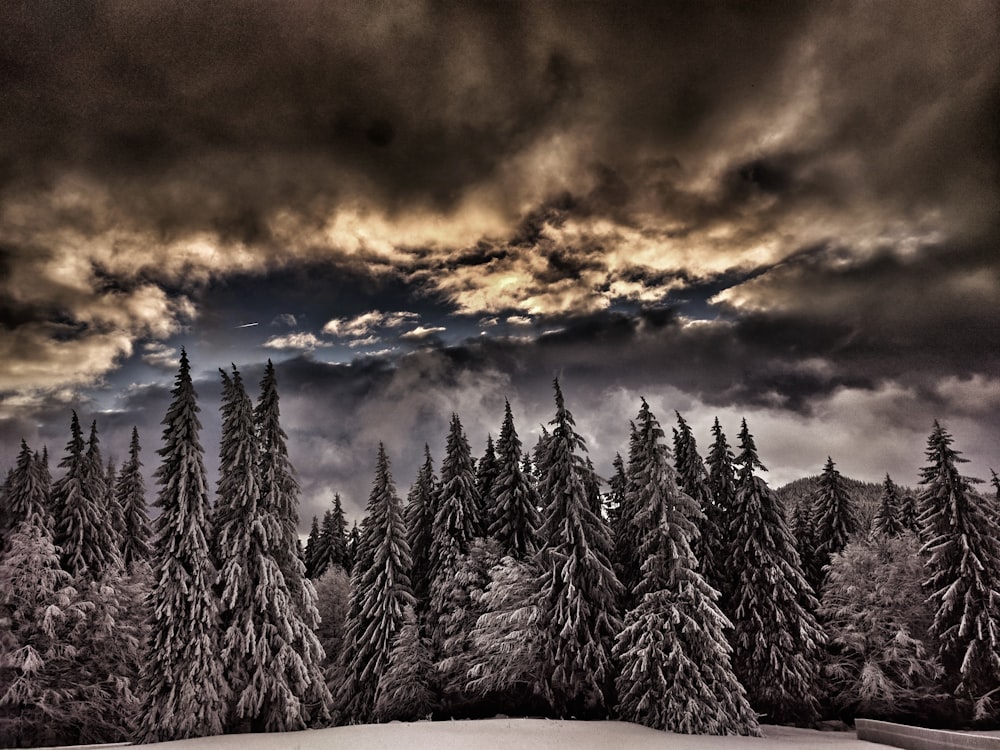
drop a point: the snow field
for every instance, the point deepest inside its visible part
(519, 734)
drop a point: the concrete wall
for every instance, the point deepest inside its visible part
(916, 738)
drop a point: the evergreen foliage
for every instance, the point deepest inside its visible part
(675, 662)
(616, 496)
(692, 480)
(835, 518)
(130, 494)
(909, 513)
(516, 520)
(627, 560)
(507, 641)
(578, 589)
(776, 640)
(82, 531)
(486, 476)
(24, 494)
(404, 692)
(887, 520)
(333, 597)
(964, 569)
(876, 616)
(311, 553)
(421, 506)
(718, 514)
(380, 596)
(184, 691)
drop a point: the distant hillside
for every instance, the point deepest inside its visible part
(864, 494)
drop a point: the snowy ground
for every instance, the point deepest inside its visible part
(519, 734)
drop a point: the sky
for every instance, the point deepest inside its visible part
(788, 212)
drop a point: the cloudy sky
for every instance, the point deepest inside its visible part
(787, 212)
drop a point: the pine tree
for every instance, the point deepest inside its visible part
(675, 662)
(835, 517)
(184, 688)
(262, 644)
(353, 547)
(802, 526)
(459, 607)
(404, 692)
(130, 494)
(776, 640)
(313, 550)
(692, 479)
(887, 519)
(578, 588)
(628, 564)
(279, 497)
(909, 513)
(335, 537)
(516, 521)
(616, 495)
(718, 514)
(25, 493)
(45, 475)
(456, 524)
(421, 505)
(116, 513)
(81, 520)
(964, 568)
(380, 596)
(43, 617)
(486, 476)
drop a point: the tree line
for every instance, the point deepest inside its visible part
(686, 597)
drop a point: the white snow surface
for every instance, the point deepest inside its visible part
(518, 734)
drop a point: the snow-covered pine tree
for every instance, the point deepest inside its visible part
(456, 524)
(130, 493)
(515, 524)
(381, 592)
(963, 565)
(24, 494)
(353, 547)
(279, 497)
(43, 618)
(270, 678)
(876, 617)
(404, 692)
(458, 600)
(887, 521)
(722, 485)
(322, 560)
(692, 480)
(184, 690)
(46, 476)
(116, 514)
(627, 562)
(335, 536)
(421, 505)
(81, 521)
(802, 526)
(539, 457)
(617, 484)
(312, 550)
(578, 588)
(675, 661)
(486, 476)
(835, 518)
(776, 640)
(909, 513)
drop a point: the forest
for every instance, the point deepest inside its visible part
(684, 593)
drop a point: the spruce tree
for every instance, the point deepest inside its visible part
(776, 640)
(692, 479)
(81, 520)
(130, 494)
(718, 514)
(353, 547)
(24, 494)
(381, 593)
(964, 567)
(264, 637)
(909, 513)
(335, 536)
(516, 521)
(675, 662)
(616, 495)
(456, 524)
(45, 476)
(116, 513)
(313, 550)
(835, 518)
(802, 526)
(628, 563)
(578, 589)
(887, 520)
(486, 476)
(279, 497)
(184, 690)
(404, 692)
(421, 505)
